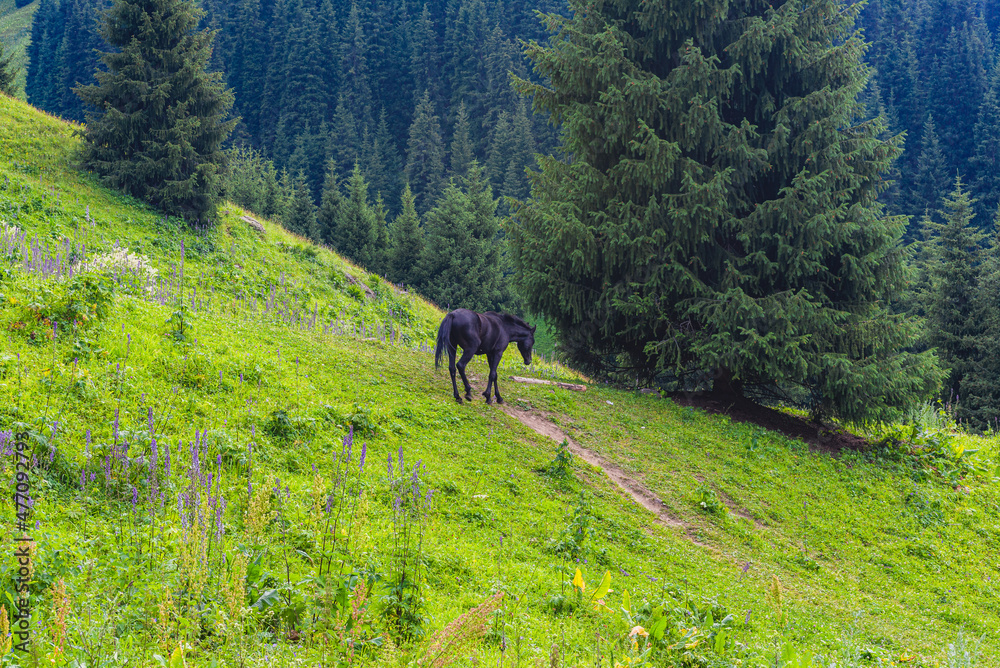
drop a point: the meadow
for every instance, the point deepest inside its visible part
(241, 454)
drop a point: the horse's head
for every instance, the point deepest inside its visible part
(526, 345)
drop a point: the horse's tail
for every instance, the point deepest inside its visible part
(443, 340)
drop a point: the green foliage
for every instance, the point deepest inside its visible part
(425, 155)
(8, 73)
(710, 502)
(961, 314)
(406, 243)
(561, 466)
(461, 263)
(301, 216)
(571, 545)
(356, 231)
(83, 302)
(252, 182)
(179, 324)
(711, 217)
(161, 119)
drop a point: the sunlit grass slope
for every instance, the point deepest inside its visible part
(249, 355)
(15, 35)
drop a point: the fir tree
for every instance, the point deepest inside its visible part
(304, 94)
(380, 248)
(406, 243)
(461, 144)
(354, 68)
(986, 161)
(345, 140)
(425, 155)
(8, 74)
(160, 123)
(954, 321)
(380, 160)
(356, 232)
(719, 214)
(301, 218)
(980, 393)
(330, 208)
(424, 58)
(931, 179)
(461, 261)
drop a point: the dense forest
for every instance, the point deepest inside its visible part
(396, 133)
(390, 84)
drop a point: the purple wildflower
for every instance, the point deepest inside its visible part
(364, 451)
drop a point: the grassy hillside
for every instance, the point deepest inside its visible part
(15, 35)
(326, 502)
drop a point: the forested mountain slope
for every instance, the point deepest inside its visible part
(202, 410)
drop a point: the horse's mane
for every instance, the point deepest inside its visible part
(511, 319)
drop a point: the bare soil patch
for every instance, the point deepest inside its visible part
(830, 439)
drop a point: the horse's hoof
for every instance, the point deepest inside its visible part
(488, 401)
(459, 400)
(499, 400)
(468, 398)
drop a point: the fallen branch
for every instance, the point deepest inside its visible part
(538, 381)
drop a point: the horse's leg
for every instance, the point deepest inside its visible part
(452, 350)
(491, 382)
(467, 355)
(494, 363)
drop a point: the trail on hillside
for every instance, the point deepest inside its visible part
(639, 492)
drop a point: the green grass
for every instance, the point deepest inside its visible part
(868, 555)
(15, 35)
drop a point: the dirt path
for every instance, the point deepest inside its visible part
(618, 476)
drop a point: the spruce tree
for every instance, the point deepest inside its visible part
(160, 120)
(345, 140)
(461, 144)
(719, 214)
(979, 402)
(930, 183)
(8, 74)
(301, 218)
(331, 203)
(425, 155)
(955, 324)
(380, 248)
(406, 239)
(356, 232)
(986, 161)
(461, 261)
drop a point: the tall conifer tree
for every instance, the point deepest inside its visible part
(406, 240)
(7, 74)
(461, 263)
(301, 217)
(461, 155)
(425, 155)
(930, 181)
(955, 321)
(330, 208)
(356, 234)
(160, 120)
(719, 213)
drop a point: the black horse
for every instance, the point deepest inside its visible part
(481, 334)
